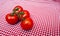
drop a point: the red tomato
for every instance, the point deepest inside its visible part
(18, 9)
(12, 19)
(24, 14)
(27, 24)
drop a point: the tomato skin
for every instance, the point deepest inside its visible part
(18, 9)
(11, 19)
(27, 24)
(25, 14)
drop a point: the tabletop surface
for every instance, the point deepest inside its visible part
(45, 16)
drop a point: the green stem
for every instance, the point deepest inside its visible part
(12, 14)
(21, 13)
(16, 9)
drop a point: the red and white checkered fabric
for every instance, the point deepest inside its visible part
(45, 16)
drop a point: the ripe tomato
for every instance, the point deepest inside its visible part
(12, 19)
(18, 9)
(27, 24)
(24, 14)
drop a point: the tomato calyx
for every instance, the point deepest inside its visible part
(16, 9)
(21, 13)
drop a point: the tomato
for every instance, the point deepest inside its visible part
(18, 9)
(27, 24)
(11, 19)
(24, 14)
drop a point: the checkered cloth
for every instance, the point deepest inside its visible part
(44, 15)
